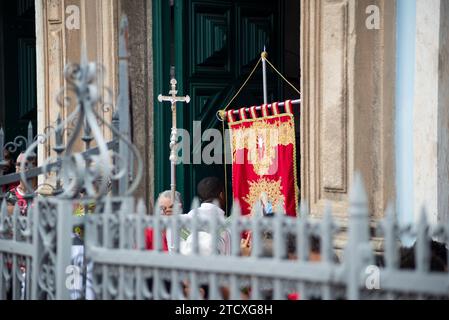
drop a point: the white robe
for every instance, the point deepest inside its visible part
(205, 211)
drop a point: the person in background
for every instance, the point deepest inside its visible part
(8, 166)
(291, 254)
(166, 207)
(211, 194)
(210, 191)
(17, 194)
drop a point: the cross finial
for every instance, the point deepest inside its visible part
(173, 99)
(173, 92)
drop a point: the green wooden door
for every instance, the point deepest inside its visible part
(19, 66)
(217, 43)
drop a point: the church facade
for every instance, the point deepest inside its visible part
(343, 55)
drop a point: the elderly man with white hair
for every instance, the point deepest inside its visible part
(166, 206)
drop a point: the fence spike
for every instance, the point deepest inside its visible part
(214, 229)
(278, 234)
(108, 206)
(141, 207)
(236, 209)
(389, 229)
(123, 227)
(177, 207)
(327, 234)
(195, 204)
(422, 247)
(256, 220)
(157, 228)
(258, 210)
(176, 231)
(358, 236)
(15, 217)
(29, 219)
(195, 226)
(141, 212)
(302, 235)
(358, 194)
(106, 221)
(358, 212)
(2, 143)
(304, 209)
(235, 232)
(30, 134)
(4, 209)
(58, 132)
(280, 208)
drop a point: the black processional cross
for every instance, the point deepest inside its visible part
(173, 99)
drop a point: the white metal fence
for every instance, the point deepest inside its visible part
(35, 256)
(290, 258)
(123, 269)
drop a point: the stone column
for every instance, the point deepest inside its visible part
(431, 110)
(57, 44)
(347, 118)
(139, 14)
(50, 64)
(443, 115)
(2, 63)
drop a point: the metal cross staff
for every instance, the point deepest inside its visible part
(173, 156)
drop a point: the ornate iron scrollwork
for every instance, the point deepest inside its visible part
(91, 172)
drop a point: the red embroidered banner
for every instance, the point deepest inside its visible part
(264, 158)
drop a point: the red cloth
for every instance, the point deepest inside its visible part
(8, 187)
(149, 239)
(293, 296)
(263, 162)
(14, 197)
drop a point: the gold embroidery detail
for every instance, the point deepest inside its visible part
(261, 141)
(268, 192)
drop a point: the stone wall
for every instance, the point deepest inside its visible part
(431, 110)
(139, 14)
(58, 45)
(347, 80)
(2, 94)
(443, 115)
(348, 103)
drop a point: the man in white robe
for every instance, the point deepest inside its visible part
(211, 194)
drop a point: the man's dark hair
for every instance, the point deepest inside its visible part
(209, 189)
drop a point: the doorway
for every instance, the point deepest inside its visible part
(18, 99)
(215, 46)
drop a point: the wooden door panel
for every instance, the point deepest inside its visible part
(220, 42)
(209, 31)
